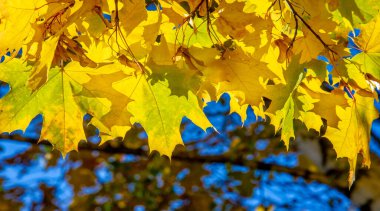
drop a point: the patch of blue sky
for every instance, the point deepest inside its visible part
(131, 186)
(299, 194)
(32, 177)
(4, 89)
(182, 174)
(139, 208)
(374, 143)
(354, 49)
(34, 129)
(107, 17)
(177, 204)
(101, 199)
(64, 193)
(216, 145)
(178, 189)
(90, 190)
(217, 176)
(103, 174)
(262, 144)
(284, 159)
(152, 7)
(10, 148)
(251, 117)
(242, 169)
(192, 132)
(377, 103)
(31, 196)
(38, 173)
(159, 180)
(280, 189)
(129, 158)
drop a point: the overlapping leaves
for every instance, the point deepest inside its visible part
(124, 64)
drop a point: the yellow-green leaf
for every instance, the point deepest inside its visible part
(369, 43)
(159, 112)
(354, 131)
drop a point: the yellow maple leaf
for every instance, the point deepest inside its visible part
(136, 31)
(239, 71)
(326, 103)
(354, 131)
(308, 47)
(16, 23)
(107, 106)
(307, 116)
(232, 21)
(259, 7)
(39, 73)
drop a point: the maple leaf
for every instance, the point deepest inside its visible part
(159, 112)
(63, 100)
(352, 74)
(133, 36)
(306, 113)
(308, 46)
(282, 109)
(107, 106)
(232, 21)
(62, 117)
(348, 10)
(237, 72)
(326, 103)
(236, 106)
(174, 12)
(132, 13)
(39, 73)
(369, 58)
(259, 7)
(179, 68)
(16, 24)
(355, 11)
(354, 131)
(155, 94)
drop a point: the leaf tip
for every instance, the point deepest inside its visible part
(351, 179)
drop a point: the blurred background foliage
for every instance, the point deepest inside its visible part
(242, 166)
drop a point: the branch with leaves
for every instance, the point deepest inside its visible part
(119, 62)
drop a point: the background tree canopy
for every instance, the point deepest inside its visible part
(265, 95)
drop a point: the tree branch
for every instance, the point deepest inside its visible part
(194, 158)
(297, 16)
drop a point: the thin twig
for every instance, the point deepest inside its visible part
(297, 16)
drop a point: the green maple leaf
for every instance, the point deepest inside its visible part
(62, 116)
(63, 100)
(368, 42)
(159, 112)
(282, 109)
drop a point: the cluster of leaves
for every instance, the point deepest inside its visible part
(154, 62)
